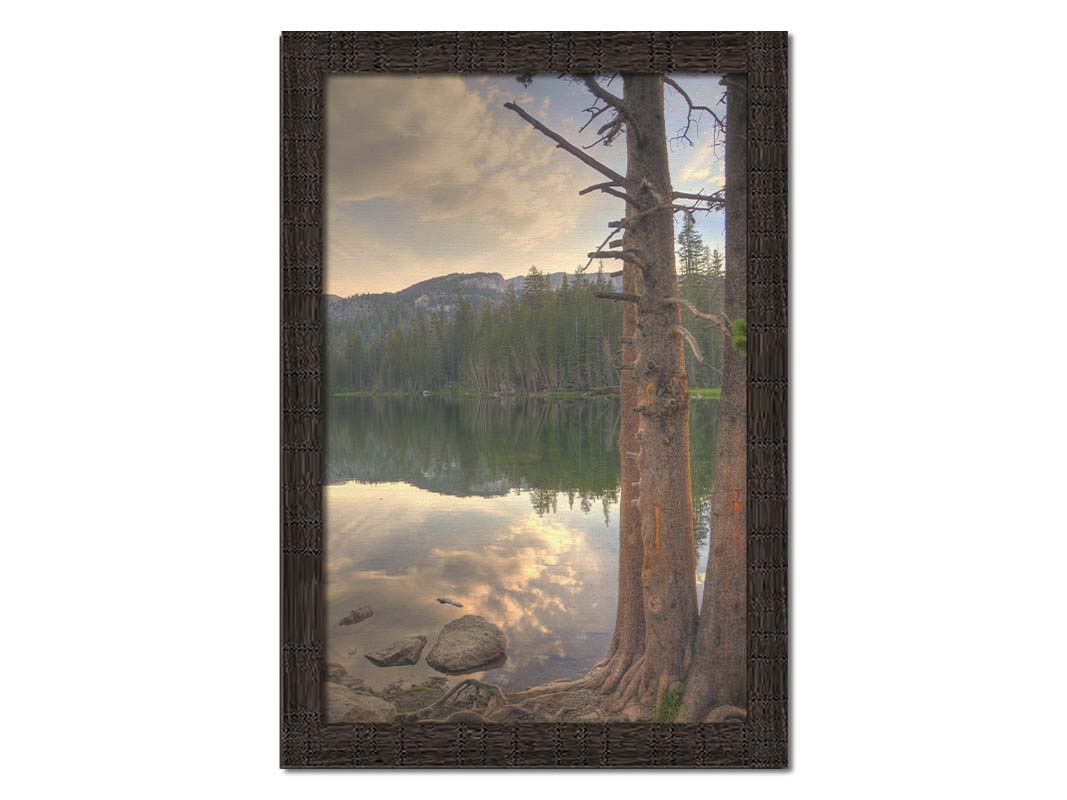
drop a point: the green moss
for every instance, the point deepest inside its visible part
(669, 704)
(740, 337)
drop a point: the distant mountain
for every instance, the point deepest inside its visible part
(437, 295)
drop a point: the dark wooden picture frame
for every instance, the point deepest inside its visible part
(306, 739)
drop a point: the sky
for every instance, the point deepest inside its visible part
(429, 175)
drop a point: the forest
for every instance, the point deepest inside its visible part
(539, 339)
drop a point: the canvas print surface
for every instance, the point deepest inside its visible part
(535, 380)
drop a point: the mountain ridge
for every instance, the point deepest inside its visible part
(436, 295)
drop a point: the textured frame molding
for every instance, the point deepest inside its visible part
(306, 740)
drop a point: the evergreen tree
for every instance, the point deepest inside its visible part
(539, 339)
(694, 269)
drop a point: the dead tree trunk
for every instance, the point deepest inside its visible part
(717, 675)
(628, 641)
(664, 501)
(657, 612)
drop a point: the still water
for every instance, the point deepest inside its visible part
(508, 506)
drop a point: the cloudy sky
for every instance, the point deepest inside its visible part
(428, 175)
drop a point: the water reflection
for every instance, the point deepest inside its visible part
(508, 506)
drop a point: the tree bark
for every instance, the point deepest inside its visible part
(717, 675)
(665, 504)
(628, 641)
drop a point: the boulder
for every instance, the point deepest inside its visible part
(357, 615)
(335, 673)
(400, 653)
(408, 696)
(357, 685)
(344, 705)
(468, 644)
(725, 714)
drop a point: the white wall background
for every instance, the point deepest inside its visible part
(139, 330)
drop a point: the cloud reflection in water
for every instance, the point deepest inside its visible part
(549, 581)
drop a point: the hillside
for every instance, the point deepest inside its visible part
(374, 315)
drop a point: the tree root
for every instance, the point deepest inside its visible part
(495, 701)
(617, 687)
(619, 681)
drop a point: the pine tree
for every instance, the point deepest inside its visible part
(693, 263)
(692, 254)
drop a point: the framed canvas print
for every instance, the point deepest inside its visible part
(534, 389)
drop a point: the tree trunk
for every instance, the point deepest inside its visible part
(665, 504)
(628, 641)
(657, 554)
(717, 675)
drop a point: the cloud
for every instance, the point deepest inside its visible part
(428, 175)
(444, 151)
(702, 170)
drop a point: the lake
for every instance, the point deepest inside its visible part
(506, 505)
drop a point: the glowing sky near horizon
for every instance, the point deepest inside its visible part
(429, 175)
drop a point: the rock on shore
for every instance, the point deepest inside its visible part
(344, 705)
(468, 644)
(357, 615)
(402, 652)
(335, 673)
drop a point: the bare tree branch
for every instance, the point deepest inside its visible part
(629, 256)
(577, 152)
(597, 186)
(673, 208)
(616, 193)
(603, 94)
(593, 111)
(721, 321)
(624, 297)
(613, 128)
(682, 331)
(716, 200)
(599, 248)
(607, 188)
(720, 126)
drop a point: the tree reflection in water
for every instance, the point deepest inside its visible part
(488, 447)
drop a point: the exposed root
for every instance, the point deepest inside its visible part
(628, 686)
(556, 687)
(616, 689)
(491, 700)
(609, 678)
